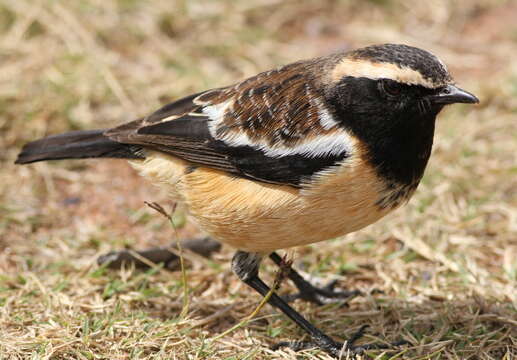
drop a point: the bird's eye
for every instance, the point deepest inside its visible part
(390, 87)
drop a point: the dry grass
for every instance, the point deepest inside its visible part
(447, 262)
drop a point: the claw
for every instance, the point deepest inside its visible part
(321, 296)
(336, 349)
(331, 285)
(357, 335)
(306, 290)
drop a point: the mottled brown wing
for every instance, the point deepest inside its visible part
(274, 127)
(280, 107)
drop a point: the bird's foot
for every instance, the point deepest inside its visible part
(322, 295)
(337, 349)
(309, 292)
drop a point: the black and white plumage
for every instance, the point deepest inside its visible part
(304, 153)
(282, 126)
(275, 127)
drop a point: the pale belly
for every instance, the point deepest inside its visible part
(258, 217)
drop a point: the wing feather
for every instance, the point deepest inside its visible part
(274, 127)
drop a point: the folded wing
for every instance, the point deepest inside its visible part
(274, 127)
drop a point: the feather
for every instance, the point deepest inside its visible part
(274, 127)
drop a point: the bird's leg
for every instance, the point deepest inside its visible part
(309, 292)
(246, 266)
(142, 258)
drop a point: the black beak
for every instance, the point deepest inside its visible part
(451, 94)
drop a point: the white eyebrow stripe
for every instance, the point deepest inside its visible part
(380, 70)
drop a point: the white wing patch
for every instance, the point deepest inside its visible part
(319, 146)
(332, 144)
(216, 114)
(327, 121)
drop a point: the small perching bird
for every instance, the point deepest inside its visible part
(300, 154)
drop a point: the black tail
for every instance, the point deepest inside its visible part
(76, 145)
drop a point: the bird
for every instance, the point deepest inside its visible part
(303, 153)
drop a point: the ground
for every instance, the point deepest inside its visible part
(445, 263)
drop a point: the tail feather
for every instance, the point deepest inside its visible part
(76, 145)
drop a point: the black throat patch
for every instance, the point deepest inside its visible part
(398, 137)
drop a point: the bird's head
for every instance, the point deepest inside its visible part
(389, 95)
(394, 82)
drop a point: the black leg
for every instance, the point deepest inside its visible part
(202, 246)
(245, 266)
(309, 292)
